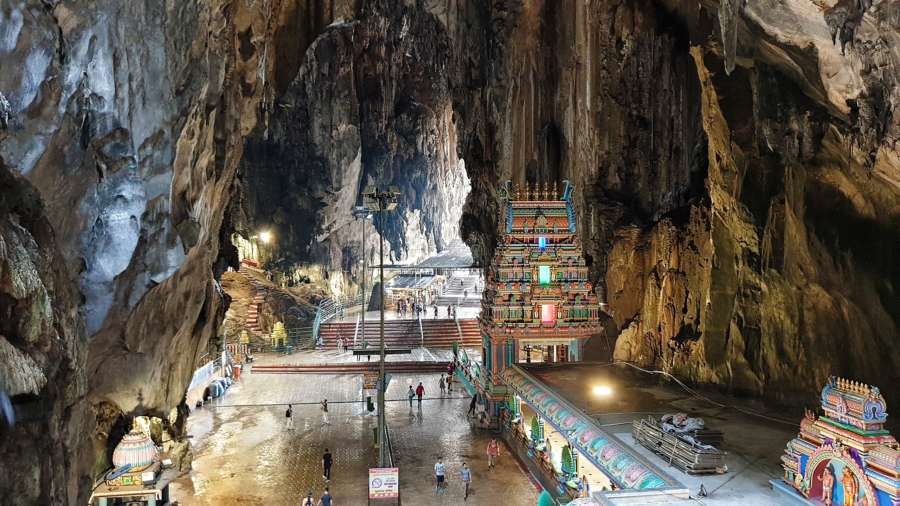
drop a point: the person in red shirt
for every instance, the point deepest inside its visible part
(493, 451)
(420, 391)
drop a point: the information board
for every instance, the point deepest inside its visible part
(370, 380)
(384, 482)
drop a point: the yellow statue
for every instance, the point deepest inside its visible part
(245, 337)
(279, 335)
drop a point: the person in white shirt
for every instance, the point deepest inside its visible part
(439, 476)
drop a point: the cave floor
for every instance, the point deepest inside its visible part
(244, 454)
(754, 444)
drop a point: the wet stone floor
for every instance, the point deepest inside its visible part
(244, 454)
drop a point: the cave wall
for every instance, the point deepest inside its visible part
(736, 166)
(129, 118)
(42, 353)
(736, 173)
(370, 104)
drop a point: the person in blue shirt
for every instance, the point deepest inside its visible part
(466, 474)
(326, 498)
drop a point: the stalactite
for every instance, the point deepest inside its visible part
(729, 11)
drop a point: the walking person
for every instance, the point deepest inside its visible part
(466, 474)
(410, 396)
(450, 383)
(442, 385)
(308, 500)
(584, 488)
(493, 452)
(472, 405)
(439, 477)
(420, 391)
(435, 311)
(289, 418)
(326, 465)
(448, 311)
(340, 343)
(325, 412)
(326, 498)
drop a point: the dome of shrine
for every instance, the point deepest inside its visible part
(137, 450)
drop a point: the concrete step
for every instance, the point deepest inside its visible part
(349, 367)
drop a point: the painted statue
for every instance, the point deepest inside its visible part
(827, 485)
(851, 487)
(862, 458)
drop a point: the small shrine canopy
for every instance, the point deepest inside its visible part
(622, 465)
(406, 282)
(456, 256)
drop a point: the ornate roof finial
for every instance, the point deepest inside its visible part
(527, 191)
(555, 191)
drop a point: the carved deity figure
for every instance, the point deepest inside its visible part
(827, 485)
(851, 487)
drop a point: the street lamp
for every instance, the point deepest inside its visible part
(363, 213)
(380, 201)
(263, 236)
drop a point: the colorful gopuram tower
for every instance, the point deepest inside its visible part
(538, 305)
(845, 456)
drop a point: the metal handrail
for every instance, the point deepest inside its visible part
(329, 308)
(421, 331)
(388, 448)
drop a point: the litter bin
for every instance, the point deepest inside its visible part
(236, 372)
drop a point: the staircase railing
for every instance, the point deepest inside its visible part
(331, 307)
(421, 331)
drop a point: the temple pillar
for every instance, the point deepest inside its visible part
(575, 350)
(487, 358)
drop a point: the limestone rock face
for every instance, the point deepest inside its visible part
(42, 355)
(736, 166)
(371, 104)
(129, 118)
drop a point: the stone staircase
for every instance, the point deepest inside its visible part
(252, 274)
(353, 367)
(456, 290)
(439, 333)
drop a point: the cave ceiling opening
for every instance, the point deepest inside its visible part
(736, 166)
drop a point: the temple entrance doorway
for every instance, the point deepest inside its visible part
(542, 353)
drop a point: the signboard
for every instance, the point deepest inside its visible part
(370, 380)
(384, 482)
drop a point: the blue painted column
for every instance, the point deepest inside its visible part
(488, 357)
(575, 350)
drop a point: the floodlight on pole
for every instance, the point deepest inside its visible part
(380, 201)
